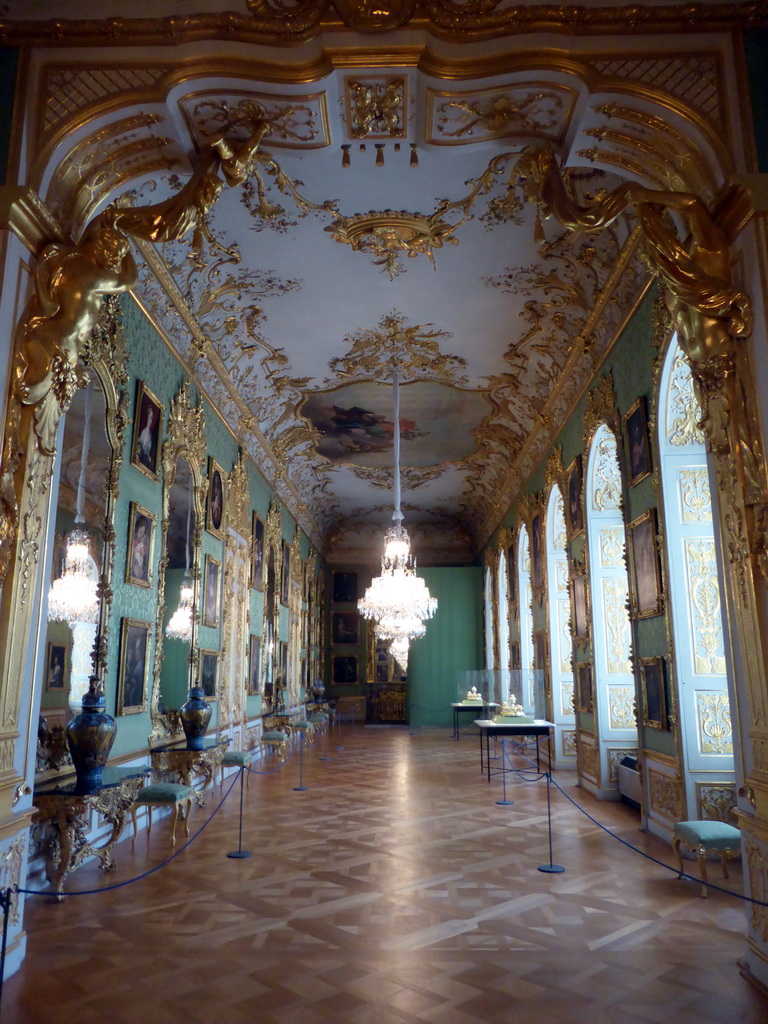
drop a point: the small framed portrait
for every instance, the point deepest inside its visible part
(345, 628)
(653, 686)
(211, 591)
(257, 558)
(344, 669)
(584, 687)
(285, 579)
(574, 509)
(511, 578)
(537, 574)
(145, 446)
(645, 566)
(209, 673)
(134, 663)
(579, 608)
(638, 442)
(214, 511)
(141, 534)
(56, 666)
(254, 664)
(344, 587)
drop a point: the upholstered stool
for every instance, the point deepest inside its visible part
(303, 727)
(237, 759)
(164, 794)
(275, 739)
(703, 836)
(319, 720)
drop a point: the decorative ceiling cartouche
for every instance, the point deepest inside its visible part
(383, 222)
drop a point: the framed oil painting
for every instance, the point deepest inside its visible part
(133, 666)
(345, 669)
(257, 558)
(637, 442)
(344, 587)
(138, 557)
(285, 579)
(511, 578)
(654, 693)
(574, 508)
(214, 510)
(345, 628)
(579, 607)
(56, 666)
(537, 569)
(254, 664)
(284, 661)
(145, 446)
(584, 687)
(645, 566)
(209, 673)
(211, 592)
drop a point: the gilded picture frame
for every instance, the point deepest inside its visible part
(145, 443)
(254, 664)
(579, 590)
(209, 673)
(212, 592)
(345, 629)
(216, 501)
(344, 587)
(57, 666)
(637, 442)
(133, 669)
(574, 508)
(344, 670)
(645, 566)
(653, 687)
(139, 551)
(257, 553)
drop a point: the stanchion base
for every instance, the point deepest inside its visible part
(299, 789)
(551, 869)
(240, 854)
(505, 803)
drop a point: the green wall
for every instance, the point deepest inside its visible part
(453, 644)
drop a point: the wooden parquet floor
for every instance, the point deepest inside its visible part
(394, 890)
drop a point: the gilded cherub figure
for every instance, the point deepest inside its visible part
(709, 312)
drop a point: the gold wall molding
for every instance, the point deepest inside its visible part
(272, 24)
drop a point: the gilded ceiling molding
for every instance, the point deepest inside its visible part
(274, 24)
(554, 472)
(601, 408)
(239, 498)
(376, 107)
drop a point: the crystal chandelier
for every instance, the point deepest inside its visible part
(398, 600)
(180, 623)
(74, 596)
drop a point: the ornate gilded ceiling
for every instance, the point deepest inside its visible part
(383, 222)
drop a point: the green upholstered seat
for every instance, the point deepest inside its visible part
(317, 717)
(274, 734)
(302, 723)
(704, 837)
(164, 794)
(236, 759)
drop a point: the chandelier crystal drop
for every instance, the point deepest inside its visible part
(74, 596)
(398, 600)
(180, 623)
(399, 651)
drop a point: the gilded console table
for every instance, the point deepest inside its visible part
(65, 809)
(188, 764)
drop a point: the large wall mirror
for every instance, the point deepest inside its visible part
(184, 481)
(273, 697)
(76, 637)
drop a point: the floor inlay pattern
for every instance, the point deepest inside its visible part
(393, 891)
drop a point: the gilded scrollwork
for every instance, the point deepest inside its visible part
(377, 107)
(714, 719)
(503, 114)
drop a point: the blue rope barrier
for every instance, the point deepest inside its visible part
(145, 874)
(520, 772)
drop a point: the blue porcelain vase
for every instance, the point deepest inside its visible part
(195, 715)
(90, 736)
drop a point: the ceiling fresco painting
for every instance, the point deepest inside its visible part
(384, 220)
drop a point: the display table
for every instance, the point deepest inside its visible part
(460, 706)
(65, 811)
(187, 765)
(531, 727)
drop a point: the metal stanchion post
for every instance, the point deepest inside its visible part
(504, 762)
(240, 853)
(550, 869)
(301, 785)
(5, 904)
